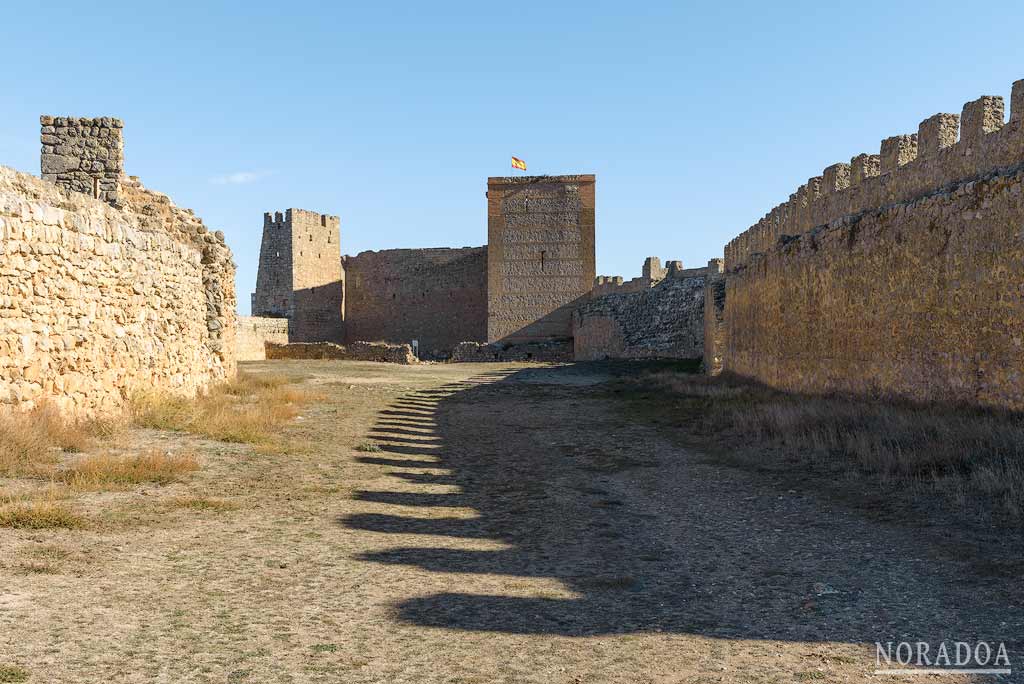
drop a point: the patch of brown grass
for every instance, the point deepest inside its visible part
(249, 409)
(31, 443)
(38, 514)
(202, 503)
(109, 471)
(967, 456)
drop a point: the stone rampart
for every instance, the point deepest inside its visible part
(549, 351)
(98, 302)
(83, 155)
(897, 276)
(252, 334)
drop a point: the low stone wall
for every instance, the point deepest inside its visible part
(98, 302)
(552, 351)
(664, 321)
(357, 351)
(252, 334)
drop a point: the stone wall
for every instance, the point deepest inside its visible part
(83, 155)
(895, 275)
(357, 351)
(436, 296)
(549, 351)
(252, 334)
(714, 317)
(665, 320)
(300, 274)
(541, 261)
(97, 302)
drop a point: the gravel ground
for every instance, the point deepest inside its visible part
(486, 523)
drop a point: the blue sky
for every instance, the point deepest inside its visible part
(696, 118)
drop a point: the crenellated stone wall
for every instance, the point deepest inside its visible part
(897, 275)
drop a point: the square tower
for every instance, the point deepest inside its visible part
(300, 276)
(540, 255)
(83, 155)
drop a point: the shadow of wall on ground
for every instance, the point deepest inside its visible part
(579, 495)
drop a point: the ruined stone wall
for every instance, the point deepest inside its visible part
(436, 296)
(357, 351)
(665, 320)
(83, 155)
(252, 334)
(97, 302)
(541, 258)
(898, 274)
(300, 274)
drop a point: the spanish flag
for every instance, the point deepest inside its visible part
(518, 163)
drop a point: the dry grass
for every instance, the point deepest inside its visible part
(12, 674)
(249, 409)
(969, 456)
(31, 443)
(202, 503)
(104, 472)
(40, 513)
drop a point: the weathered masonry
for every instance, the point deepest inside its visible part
(658, 315)
(897, 274)
(540, 257)
(106, 288)
(299, 276)
(519, 288)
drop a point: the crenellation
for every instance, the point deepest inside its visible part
(979, 118)
(936, 133)
(864, 166)
(1017, 101)
(835, 178)
(83, 155)
(897, 151)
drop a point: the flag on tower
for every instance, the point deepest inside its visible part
(518, 163)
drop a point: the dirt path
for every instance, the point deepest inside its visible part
(497, 524)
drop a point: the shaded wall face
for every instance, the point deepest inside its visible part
(435, 296)
(921, 300)
(665, 321)
(541, 260)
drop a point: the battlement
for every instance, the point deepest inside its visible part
(907, 167)
(652, 274)
(292, 217)
(83, 155)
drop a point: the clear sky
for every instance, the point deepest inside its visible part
(696, 118)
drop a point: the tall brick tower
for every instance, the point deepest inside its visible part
(300, 275)
(540, 255)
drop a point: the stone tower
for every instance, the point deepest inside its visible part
(300, 276)
(83, 155)
(540, 255)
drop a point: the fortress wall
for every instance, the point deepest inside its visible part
(663, 321)
(253, 332)
(906, 282)
(541, 261)
(437, 296)
(97, 302)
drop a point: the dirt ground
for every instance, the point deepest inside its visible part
(477, 523)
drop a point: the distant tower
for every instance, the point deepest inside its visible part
(300, 275)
